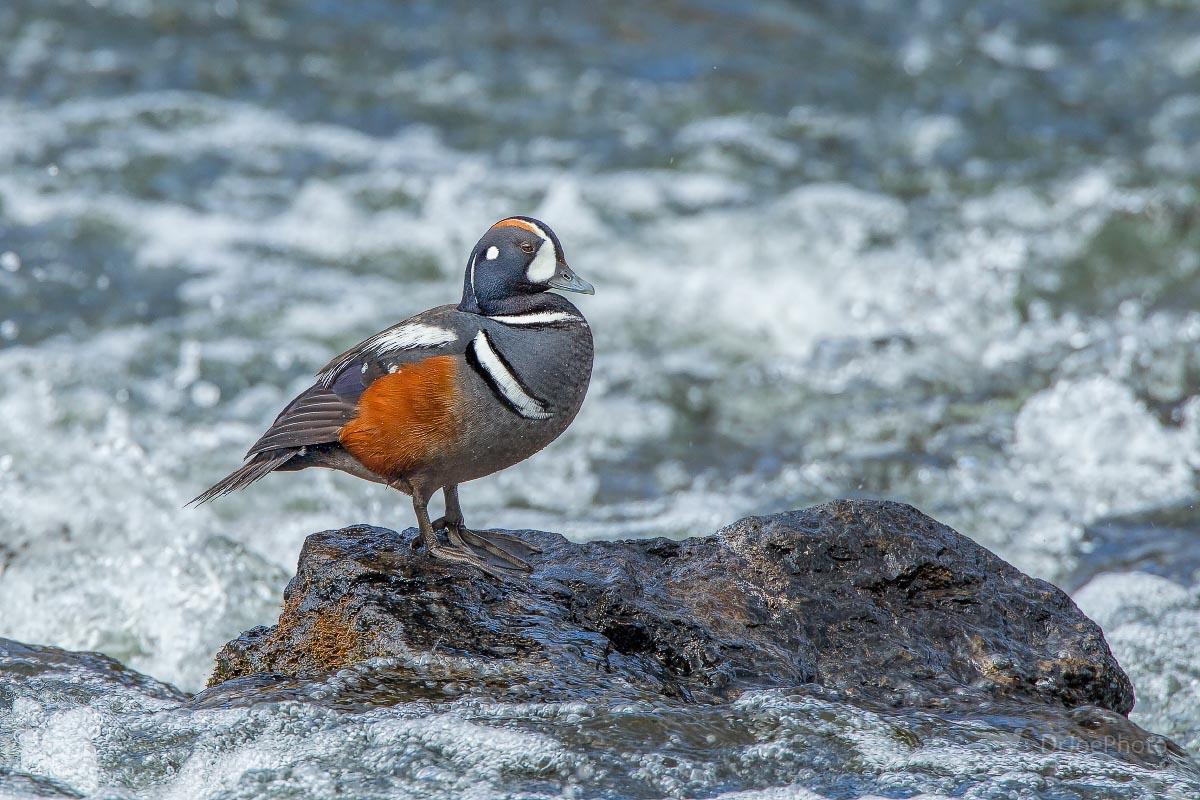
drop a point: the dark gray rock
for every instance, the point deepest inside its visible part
(873, 600)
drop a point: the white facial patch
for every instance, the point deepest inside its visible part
(492, 253)
(504, 381)
(541, 269)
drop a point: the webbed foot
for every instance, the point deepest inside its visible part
(495, 547)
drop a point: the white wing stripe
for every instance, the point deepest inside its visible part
(536, 318)
(405, 337)
(505, 381)
(415, 334)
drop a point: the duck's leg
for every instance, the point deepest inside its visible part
(494, 542)
(453, 516)
(457, 551)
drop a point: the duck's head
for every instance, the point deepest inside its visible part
(516, 258)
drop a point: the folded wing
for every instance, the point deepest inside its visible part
(317, 416)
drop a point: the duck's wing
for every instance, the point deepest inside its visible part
(318, 414)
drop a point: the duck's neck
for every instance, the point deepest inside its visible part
(508, 305)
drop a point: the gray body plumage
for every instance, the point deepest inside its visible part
(553, 363)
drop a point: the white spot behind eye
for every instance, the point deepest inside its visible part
(492, 253)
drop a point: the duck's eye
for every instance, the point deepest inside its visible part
(526, 246)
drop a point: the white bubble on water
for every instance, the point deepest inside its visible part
(205, 394)
(1090, 445)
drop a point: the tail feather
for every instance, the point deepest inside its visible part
(248, 473)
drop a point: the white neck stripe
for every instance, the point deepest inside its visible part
(505, 382)
(536, 318)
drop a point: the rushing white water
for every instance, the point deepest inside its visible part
(946, 256)
(85, 725)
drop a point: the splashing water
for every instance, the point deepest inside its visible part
(946, 255)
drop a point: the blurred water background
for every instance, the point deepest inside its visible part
(944, 252)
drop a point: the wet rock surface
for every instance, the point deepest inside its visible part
(872, 600)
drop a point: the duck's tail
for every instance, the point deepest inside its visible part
(257, 467)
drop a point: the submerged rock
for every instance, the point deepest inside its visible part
(873, 600)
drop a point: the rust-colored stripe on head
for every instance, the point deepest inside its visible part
(514, 222)
(406, 418)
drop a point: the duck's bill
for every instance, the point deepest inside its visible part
(570, 282)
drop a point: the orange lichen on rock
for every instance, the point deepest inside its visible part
(321, 640)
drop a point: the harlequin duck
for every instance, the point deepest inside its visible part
(449, 395)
